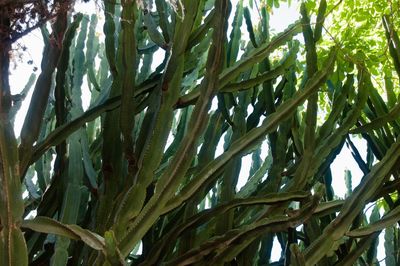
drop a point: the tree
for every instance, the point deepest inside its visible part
(140, 167)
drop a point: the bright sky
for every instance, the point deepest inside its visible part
(280, 19)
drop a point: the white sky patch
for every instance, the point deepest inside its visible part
(220, 146)
(345, 161)
(158, 57)
(284, 16)
(244, 171)
(19, 76)
(276, 250)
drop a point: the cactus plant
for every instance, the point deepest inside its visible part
(212, 152)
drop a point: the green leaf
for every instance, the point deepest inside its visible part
(379, 224)
(49, 226)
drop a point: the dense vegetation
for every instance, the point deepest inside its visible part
(138, 178)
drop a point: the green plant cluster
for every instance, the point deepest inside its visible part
(141, 167)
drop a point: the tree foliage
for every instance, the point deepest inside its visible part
(152, 172)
